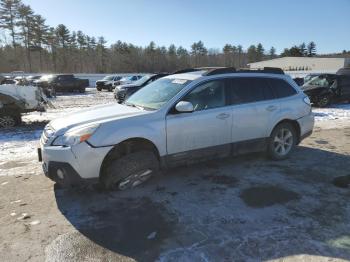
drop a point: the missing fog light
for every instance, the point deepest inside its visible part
(60, 173)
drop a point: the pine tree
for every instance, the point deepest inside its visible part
(40, 37)
(259, 52)
(8, 17)
(26, 23)
(311, 49)
(303, 49)
(252, 54)
(272, 52)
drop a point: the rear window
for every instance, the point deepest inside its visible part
(250, 89)
(281, 88)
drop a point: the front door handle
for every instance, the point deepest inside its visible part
(271, 108)
(223, 116)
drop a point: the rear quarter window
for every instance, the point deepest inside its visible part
(250, 89)
(282, 88)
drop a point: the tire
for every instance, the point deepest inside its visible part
(8, 120)
(110, 89)
(324, 101)
(282, 141)
(130, 171)
(82, 90)
(99, 89)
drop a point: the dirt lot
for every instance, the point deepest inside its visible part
(246, 208)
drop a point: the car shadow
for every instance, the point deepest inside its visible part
(241, 208)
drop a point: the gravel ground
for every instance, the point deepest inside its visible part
(242, 209)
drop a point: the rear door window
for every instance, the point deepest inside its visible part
(250, 89)
(281, 88)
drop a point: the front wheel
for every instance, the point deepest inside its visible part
(324, 101)
(130, 171)
(282, 141)
(9, 120)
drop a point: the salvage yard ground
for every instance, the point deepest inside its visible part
(246, 208)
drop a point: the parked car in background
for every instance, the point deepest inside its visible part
(178, 119)
(108, 82)
(16, 99)
(122, 92)
(62, 83)
(127, 80)
(328, 88)
(7, 80)
(30, 79)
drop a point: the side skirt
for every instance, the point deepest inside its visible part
(215, 152)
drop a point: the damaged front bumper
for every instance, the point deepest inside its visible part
(72, 166)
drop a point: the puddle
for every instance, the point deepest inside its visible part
(267, 196)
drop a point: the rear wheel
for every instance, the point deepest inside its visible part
(131, 170)
(99, 89)
(282, 141)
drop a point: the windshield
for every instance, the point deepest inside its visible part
(320, 81)
(157, 93)
(142, 80)
(108, 78)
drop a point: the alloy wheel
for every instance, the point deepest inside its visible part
(135, 179)
(283, 142)
(7, 121)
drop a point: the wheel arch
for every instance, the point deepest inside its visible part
(294, 123)
(125, 147)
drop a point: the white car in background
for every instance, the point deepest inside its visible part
(128, 80)
(190, 116)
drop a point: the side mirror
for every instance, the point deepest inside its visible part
(184, 107)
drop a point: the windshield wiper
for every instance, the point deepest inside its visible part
(139, 106)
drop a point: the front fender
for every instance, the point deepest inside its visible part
(110, 134)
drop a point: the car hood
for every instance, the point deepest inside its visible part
(96, 114)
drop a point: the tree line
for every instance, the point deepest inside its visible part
(28, 44)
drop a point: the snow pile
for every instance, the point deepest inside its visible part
(331, 113)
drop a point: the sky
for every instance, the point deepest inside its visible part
(278, 23)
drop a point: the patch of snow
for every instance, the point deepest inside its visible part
(334, 116)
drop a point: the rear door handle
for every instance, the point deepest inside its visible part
(271, 108)
(223, 116)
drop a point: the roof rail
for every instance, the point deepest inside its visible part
(229, 70)
(187, 70)
(267, 70)
(218, 71)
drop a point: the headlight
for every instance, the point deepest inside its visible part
(75, 136)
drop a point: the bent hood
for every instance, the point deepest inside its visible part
(94, 115)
